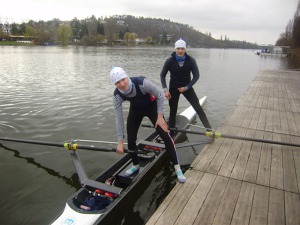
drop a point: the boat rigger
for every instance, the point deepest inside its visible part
(112, 188)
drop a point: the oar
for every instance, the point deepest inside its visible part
(213, 134)
(94, 141)
(68, 145)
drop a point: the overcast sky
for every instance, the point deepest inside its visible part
(256, 21)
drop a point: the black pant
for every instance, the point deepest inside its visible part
(134, 121)
(191, 96)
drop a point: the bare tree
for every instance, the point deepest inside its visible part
(296, 27)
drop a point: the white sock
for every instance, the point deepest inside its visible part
(137, 167)
(177, 167)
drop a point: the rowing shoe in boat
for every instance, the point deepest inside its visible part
(98, 201)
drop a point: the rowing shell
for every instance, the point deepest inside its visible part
(112, 187)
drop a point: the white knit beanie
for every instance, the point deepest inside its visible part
(116, 74)
(180, 44)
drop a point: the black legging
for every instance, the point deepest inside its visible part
(134, 121)
(191, 96)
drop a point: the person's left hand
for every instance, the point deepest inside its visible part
(181, 89)
(162, 123)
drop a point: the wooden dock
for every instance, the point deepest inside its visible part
(242, 182)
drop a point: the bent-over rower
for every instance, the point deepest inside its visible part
(146, 100)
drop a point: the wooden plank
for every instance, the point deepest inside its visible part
(264, 168)
(171, 207)
(216, 163)
(276, 101)
(253, 161)
(241, 116)
(231, 120)
(276, 207)
(281, 104)
(210, 206)
(228, 203)
(259, 102)
(248, 116)
(287, 104)
(291, 123)
(254, 119)
(276, 180)
(284, 123)
(276, 125)
(289, 171)
(296, 154)
(244, 204)
(203, 160)
(269, 120)
(270, 103)
(292, 208)
(203, 152)
(296, 117)
(241, 162)
(259, 213)
(262, 119)
(229, 162)
(193, 206)
(265, 101)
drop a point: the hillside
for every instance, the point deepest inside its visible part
(166, 32)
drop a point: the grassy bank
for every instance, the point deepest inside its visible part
(14, 43)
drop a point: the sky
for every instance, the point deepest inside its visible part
(255, 21)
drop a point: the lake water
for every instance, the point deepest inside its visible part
(55, 94)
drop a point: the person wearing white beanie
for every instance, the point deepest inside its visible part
(181, 66)
(116, 74)
(180, 44)
(146, 100)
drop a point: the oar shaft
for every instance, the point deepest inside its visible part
(218, 134)
(32, 142)
(72, 146)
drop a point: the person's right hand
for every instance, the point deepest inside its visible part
(168, 95)
(120, 148)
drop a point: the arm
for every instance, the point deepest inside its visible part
(163, 74)
(119, 123)
(153, 90)
(195, 72)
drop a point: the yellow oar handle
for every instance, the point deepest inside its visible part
(213, 134)
(71, 146)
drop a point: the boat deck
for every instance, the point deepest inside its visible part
(243, 182)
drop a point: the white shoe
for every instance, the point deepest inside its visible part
(131, 171)
(181, 178)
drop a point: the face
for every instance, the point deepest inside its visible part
(122, 84)
(180, 52)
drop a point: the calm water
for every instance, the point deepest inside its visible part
(56, 94)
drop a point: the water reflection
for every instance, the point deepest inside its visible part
(71, 181)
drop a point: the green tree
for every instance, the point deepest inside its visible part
(148, 40)
(22, 28)
(92, 27)
(64, 33)
(30, 31)
(14, 29)
(76, 29)
(100, 28)
(111, 30)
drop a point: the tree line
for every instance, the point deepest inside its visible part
(115, 30)
(291, 36)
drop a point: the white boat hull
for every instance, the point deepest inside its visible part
(71, 217)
